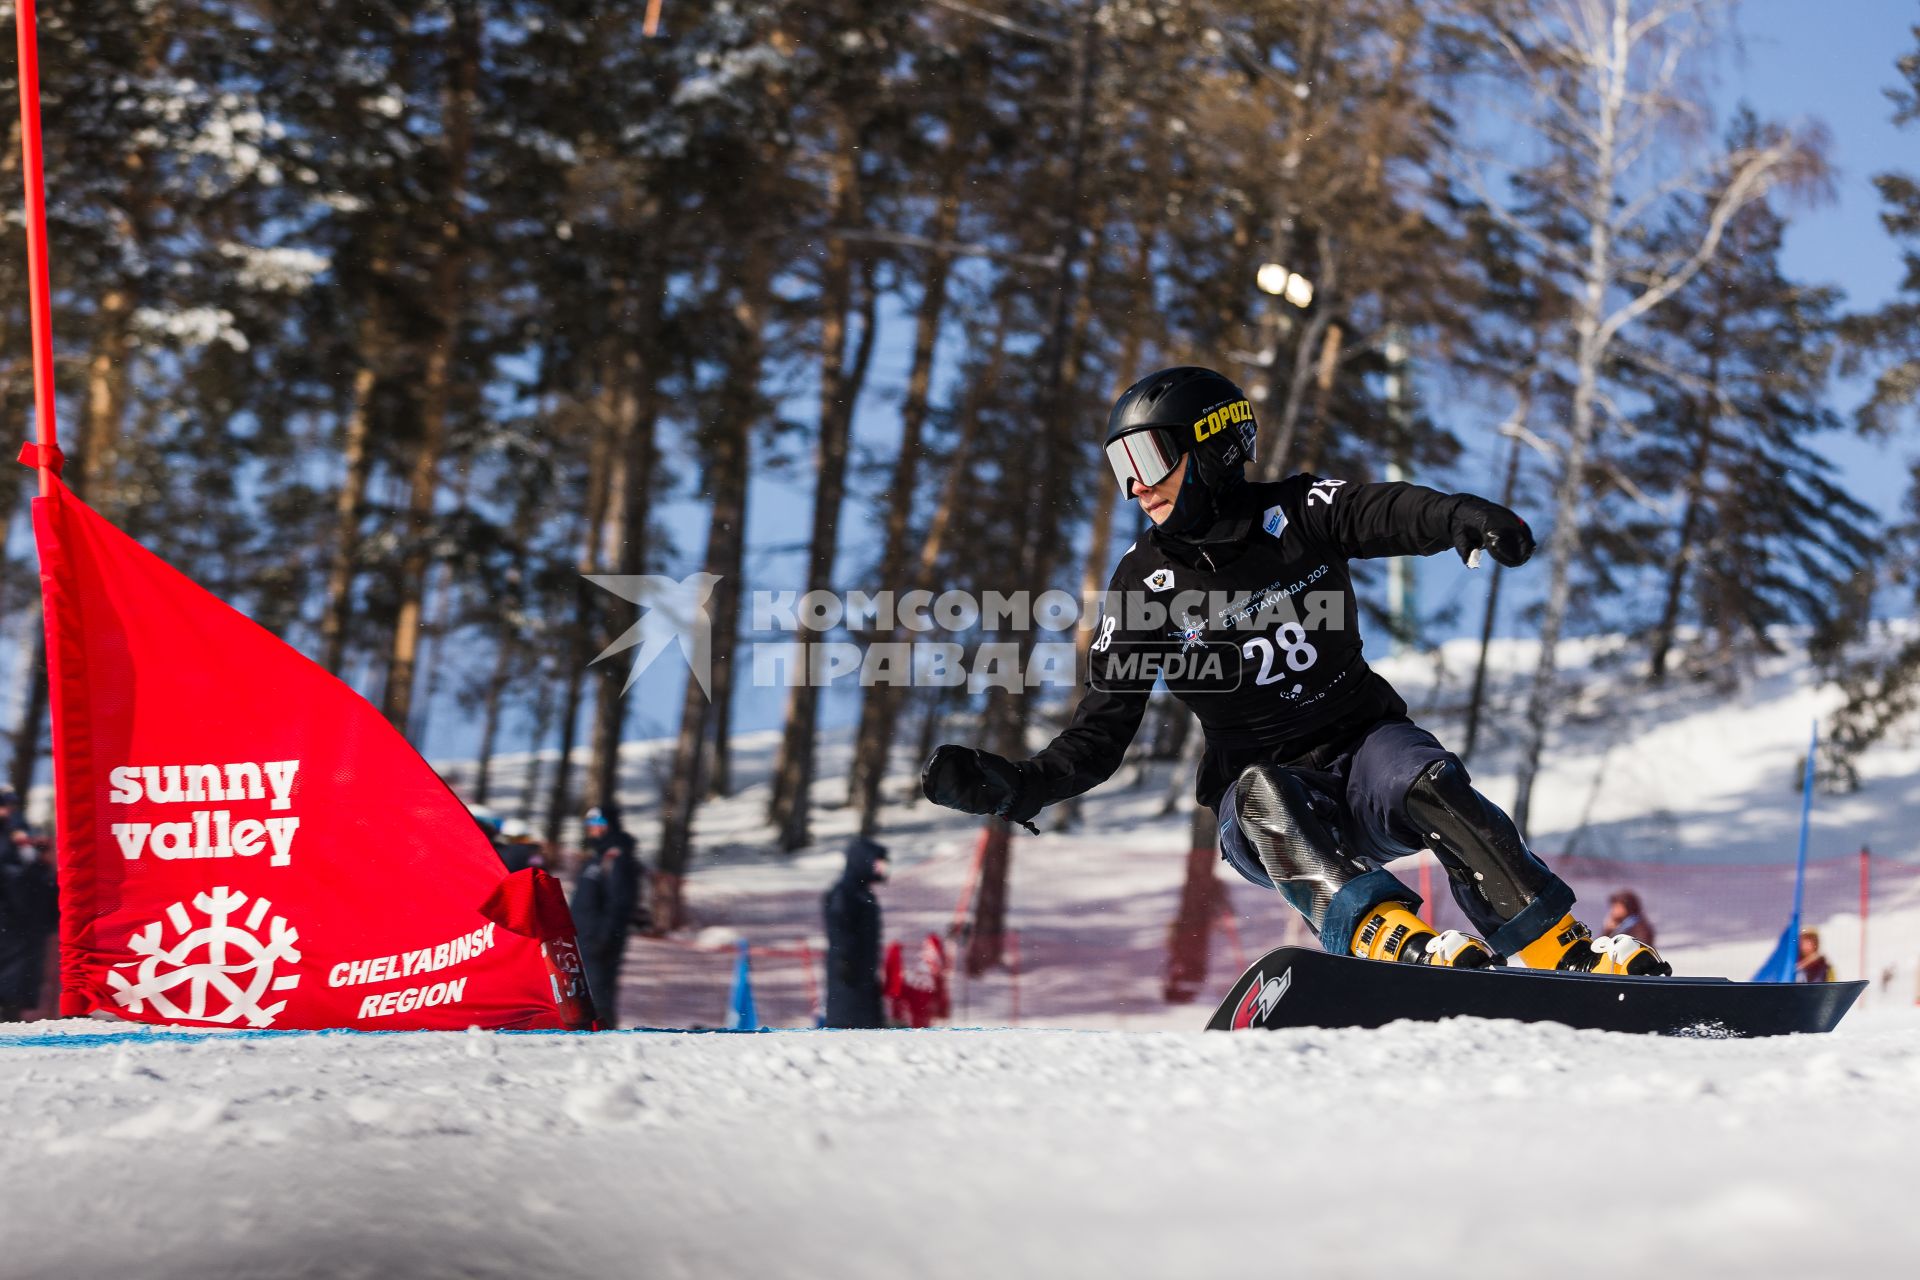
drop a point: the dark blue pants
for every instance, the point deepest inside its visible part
(1361, 794)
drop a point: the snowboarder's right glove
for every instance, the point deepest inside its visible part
(1479, 525)
(976, 781)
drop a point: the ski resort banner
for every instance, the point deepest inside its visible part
(244, 841)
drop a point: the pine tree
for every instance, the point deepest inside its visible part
(1883, 689)
(1738, 363)
(1600, 82)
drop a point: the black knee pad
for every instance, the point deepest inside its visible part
(1474, 839)
(1294, 843)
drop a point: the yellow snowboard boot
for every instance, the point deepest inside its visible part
(1391, 931)
(1571, 947)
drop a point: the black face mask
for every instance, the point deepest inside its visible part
(1200, 505)
(1193, 510)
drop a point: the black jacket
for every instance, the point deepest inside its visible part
(853, 940)
(605, 895)
(1267, 592)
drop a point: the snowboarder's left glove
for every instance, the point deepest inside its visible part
(1479, 525)
(976, 781)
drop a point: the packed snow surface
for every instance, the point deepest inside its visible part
(1468, 1148)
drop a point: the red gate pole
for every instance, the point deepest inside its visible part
(1013, 937)
(40, 304)
(1426, 890)
(815, 1009)
(1866, 858)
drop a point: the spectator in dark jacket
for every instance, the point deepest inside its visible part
(29, 910)
(604, 899)
(853, 938)
(518, 849)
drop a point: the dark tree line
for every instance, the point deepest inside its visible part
(392, 322)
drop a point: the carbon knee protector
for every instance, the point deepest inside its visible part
(1302, 856)
(1476, 842)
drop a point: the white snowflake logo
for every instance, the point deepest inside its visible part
(225, 968)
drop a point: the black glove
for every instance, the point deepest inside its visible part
(1479, 525)
(976, 781)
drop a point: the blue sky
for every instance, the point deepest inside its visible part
(1799, 60)
(1833, 62)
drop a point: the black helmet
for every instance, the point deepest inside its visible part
(1175, 413)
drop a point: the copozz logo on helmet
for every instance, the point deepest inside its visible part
(218, 969)
(1227, 415)
(1262, 997)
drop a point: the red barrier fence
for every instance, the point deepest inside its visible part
(1101, 961)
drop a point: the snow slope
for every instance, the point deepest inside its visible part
(1467, 1149)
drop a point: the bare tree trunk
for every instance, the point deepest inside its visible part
(441, 594)
(1604, 45)
(637, 408)
(348, 506)
(1568, 502)
(1305, 348)
(987, 915)
(1590, 349)
(1282, 245)
(1201, 898)
(874, 740)
(1093, 577)
(579, 635)
(1476, 700)
(449, 271)
(728, 467)
(718, 769)
(1313, 439)
(560, 800)
(1690, 518)
(793, 766)
(1061, 358)
(505, 662)
(107, 401)
(542, 725)
(793, 770)
(1665, 629)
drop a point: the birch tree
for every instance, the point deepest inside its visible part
(1605, 88)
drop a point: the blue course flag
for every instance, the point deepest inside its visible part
(741, 1015)
(1783, 964)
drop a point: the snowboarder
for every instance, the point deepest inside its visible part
(1316, 773)
(852, 917)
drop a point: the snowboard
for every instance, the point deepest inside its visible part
(1298, 987)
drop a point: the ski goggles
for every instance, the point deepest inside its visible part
(1148, 455)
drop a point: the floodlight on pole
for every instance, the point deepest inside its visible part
(1282, 283)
